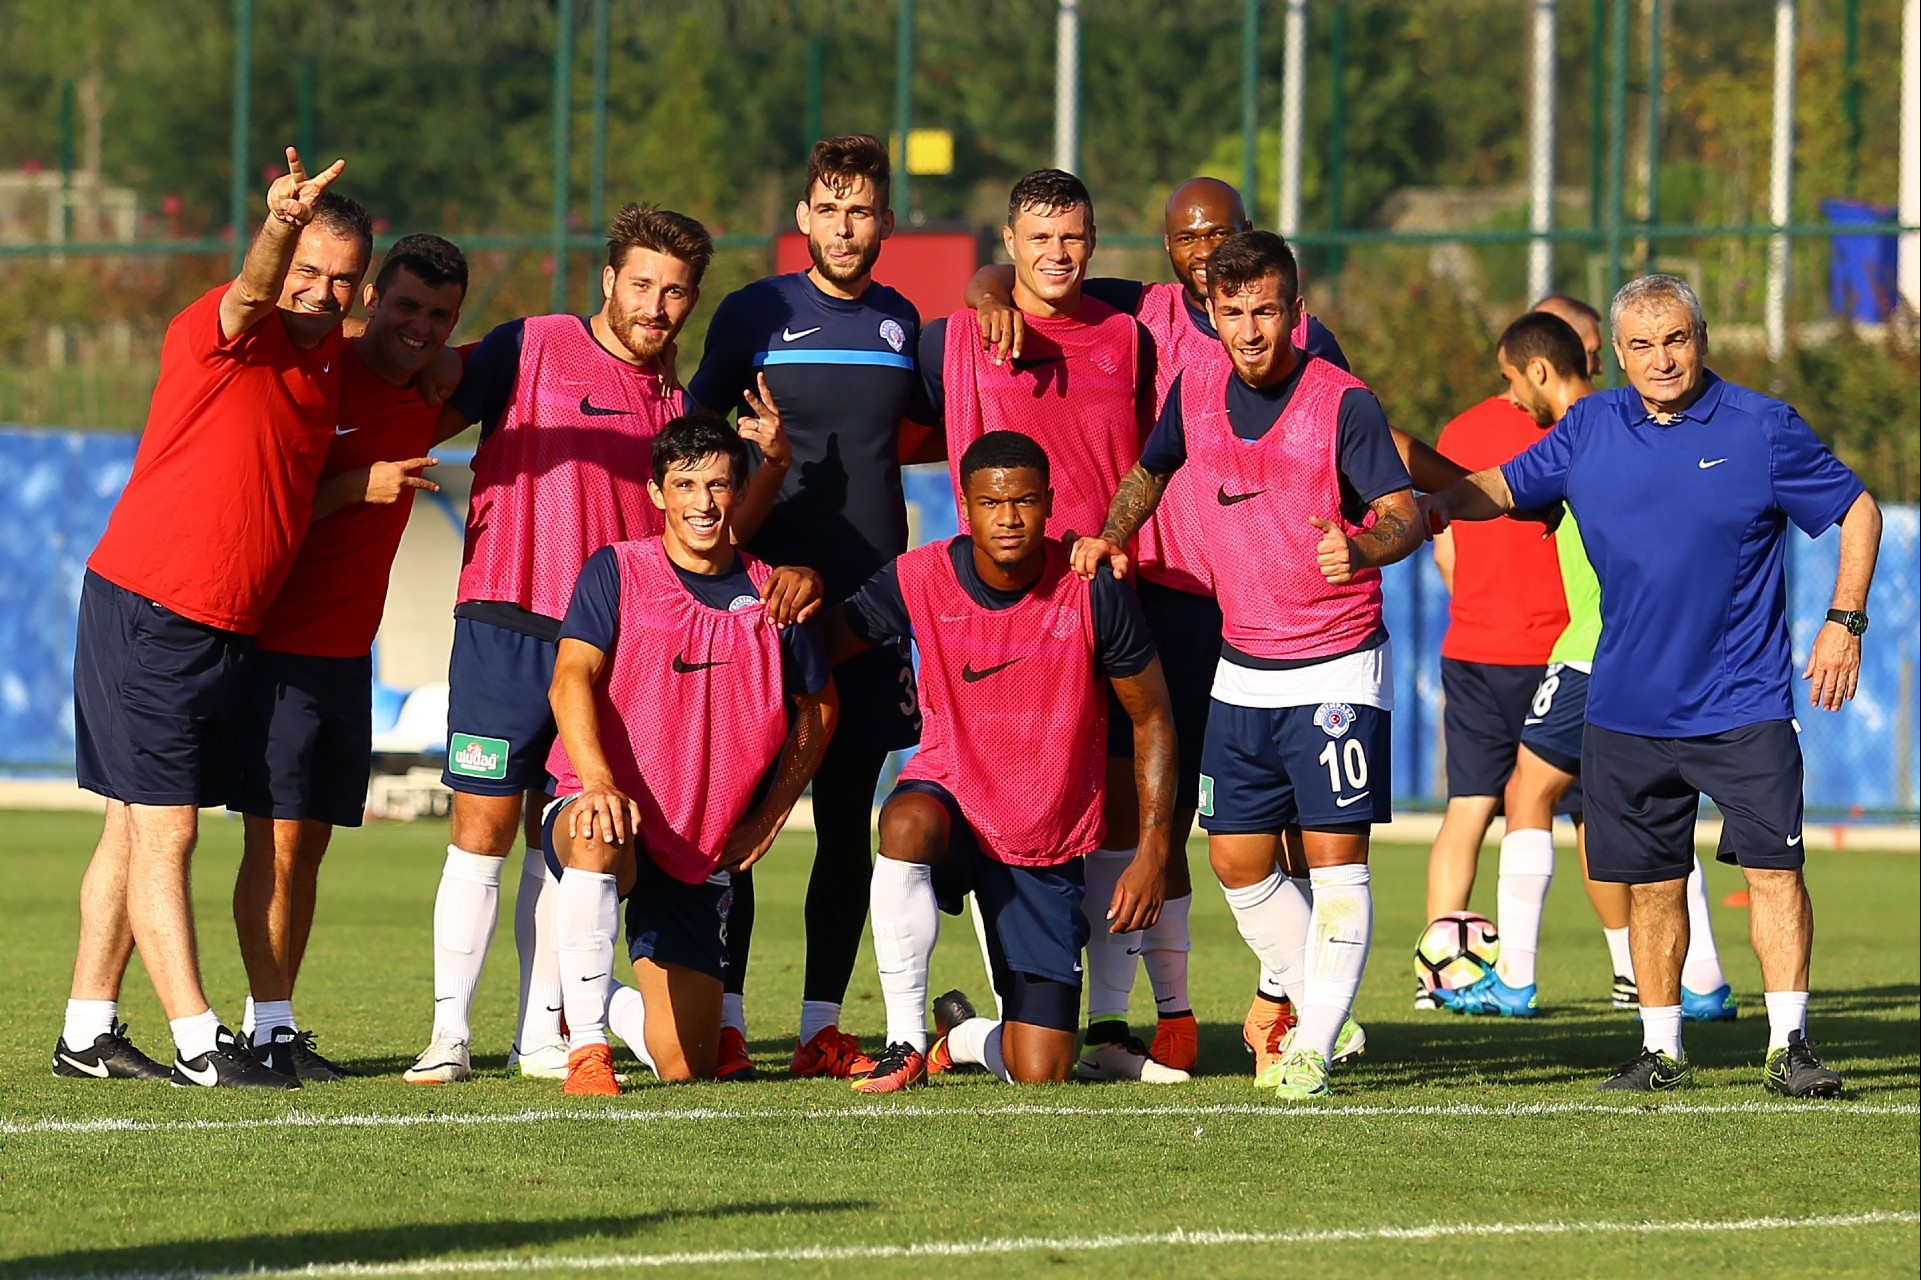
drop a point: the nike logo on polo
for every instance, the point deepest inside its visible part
(1704, 464)
(97, 1069)
(970, 675)
(345, 431)
(1342, 804)
(206, 1075)
(788, 335)
(592, 410)
(1794, 840)
(1227, 499)
(683, 667)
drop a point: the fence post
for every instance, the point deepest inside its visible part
(1293, 111)
(1781, 180)
(242, 125)
(1067, 86)
(1617, 140)
(1655, 9)
(1250, 102)
(563, 134)
(903, 105)
(1540, 252)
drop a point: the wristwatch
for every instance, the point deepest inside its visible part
(1853, 619)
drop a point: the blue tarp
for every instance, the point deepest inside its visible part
(1866, 758)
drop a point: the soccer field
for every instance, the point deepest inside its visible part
(1454, 1147)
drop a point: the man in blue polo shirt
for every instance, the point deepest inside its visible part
(1684, 486)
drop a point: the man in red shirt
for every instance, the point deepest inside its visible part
(1506, 610)
(307, 725)
(221, 492)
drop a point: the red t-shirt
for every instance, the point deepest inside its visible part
(331, 603)
(1507, 608)
(223, 482)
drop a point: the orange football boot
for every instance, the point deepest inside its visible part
(590, 1072)
(1268, 1021)
(832, 1052)
(1177, 1042)
(901, 1066)
(731, 1063)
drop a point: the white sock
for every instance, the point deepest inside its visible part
(1110, 956)
(1164, 947)
(586, 913)
(268, 1016)
(1701, 970)
(1618, 952)
(1342, 929)
(1787, 1011)
(627, 1018)
(733, 1012)
(980, 938)
(196, 1035)
(906, 926)
(1527, 869)
(466, 909)
(247, 1021)
(535, 940)
(1273, 919)
(816, 1016)
(978, 1040)
(1661, 1029)
(87, 1021)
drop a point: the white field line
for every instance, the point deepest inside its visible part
(694, 1115)
(1006, 1245)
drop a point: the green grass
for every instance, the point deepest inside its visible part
(1517, 1136)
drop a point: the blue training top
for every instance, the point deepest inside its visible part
(1685, 524)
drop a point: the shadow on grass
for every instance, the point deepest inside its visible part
(1869, 1034)
(398, 1244)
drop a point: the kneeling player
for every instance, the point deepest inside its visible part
(1004, 797)
(689, 724)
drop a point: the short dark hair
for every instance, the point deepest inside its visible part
(642, 226)
(1247, 257)
(1048, 191)
(432, 260)
(342, 215)
(1573, 304)
(839, 162)
(1544, 335)
(694, 436)
(1003, 451)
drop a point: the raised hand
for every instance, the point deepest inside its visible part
(764, 428)
(292, 196)
(386, 481)
(1336, 553)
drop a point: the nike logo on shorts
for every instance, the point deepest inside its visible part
(1794, 839)
(788, 335)
(683, 667)
(970, 675)
(1351, 799)
(1704, 464)
(1227, 499)
(592, 410)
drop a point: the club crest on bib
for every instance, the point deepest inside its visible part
(1334, 718)
(742, 602)
(895, 335)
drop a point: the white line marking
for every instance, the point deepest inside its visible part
(991, 1247)
(636, 1115)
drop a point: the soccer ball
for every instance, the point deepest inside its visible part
(1455, 951)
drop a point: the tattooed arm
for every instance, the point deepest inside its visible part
(1134, 501)
(1396, 532)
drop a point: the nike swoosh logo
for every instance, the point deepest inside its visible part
(1227, 499)
(206, 1075)
(1796, 840)
(595, 978)
(592, 410)
(98, 1069)
(1704, 464)
(788, 335)
(555, 1008)
(970, 675)
(1021, 366)
(345, 431)
(326, 368)
(1340, 803)
(1133, 951)
(438, 999)
(684, 667)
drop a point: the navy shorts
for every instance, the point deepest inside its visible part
(307, 736)
(1187, 635)
(156, 700)
(1557, 718)
(1644, 794)
(879, 702)
(668, 921)
(1265, 768)
(1481, 723)
(1036, 929)
(499, 724)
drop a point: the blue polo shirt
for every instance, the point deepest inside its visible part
(1685, 524)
